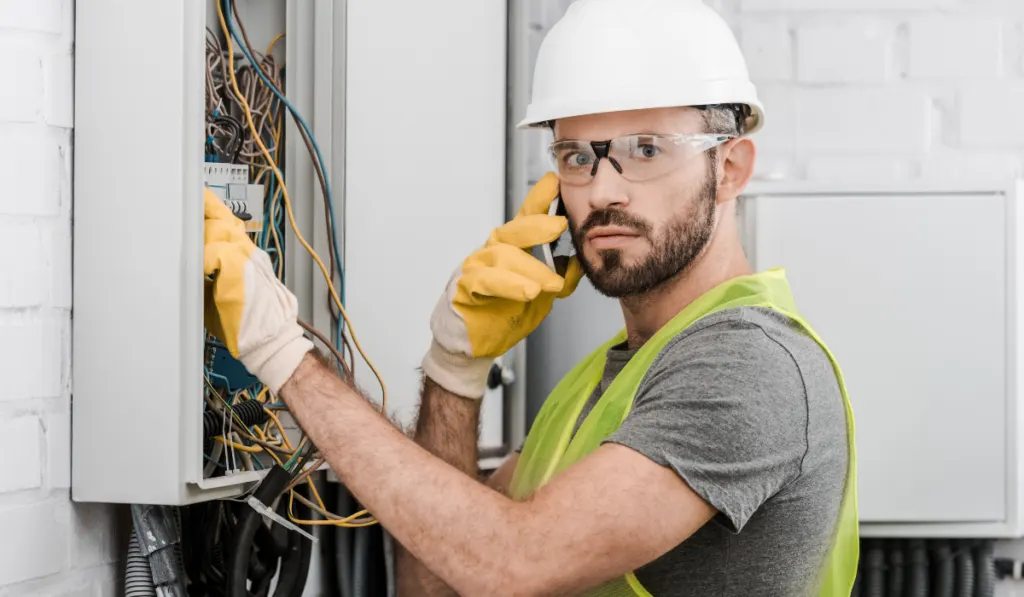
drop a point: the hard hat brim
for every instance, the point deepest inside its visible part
(539, 115)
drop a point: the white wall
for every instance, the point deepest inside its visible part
(48, 546)
(883, 89)
(887, 89)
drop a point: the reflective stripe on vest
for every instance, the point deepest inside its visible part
(551, 447)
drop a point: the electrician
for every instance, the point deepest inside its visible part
(706, 450)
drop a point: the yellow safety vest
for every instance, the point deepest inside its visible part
(551, 447)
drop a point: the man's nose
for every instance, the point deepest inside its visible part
(608, 188)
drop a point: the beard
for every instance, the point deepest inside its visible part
(672, 253)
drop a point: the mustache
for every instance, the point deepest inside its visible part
(613, 217)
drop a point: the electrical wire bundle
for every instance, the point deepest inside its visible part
(229, 140)
(246, 427)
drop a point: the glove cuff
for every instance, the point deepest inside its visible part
(275, 361)
(459, 374)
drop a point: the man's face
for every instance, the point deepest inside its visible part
(630, 237)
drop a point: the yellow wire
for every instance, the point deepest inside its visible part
(288, 205)
(280, 427)
(276, 457)
(302, 444)
(342, 522)
(273, 42)
(238, 446)
(320, 502)
(273, 229)
(316, 493)
(323, 269)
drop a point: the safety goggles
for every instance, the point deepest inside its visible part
(637, 157)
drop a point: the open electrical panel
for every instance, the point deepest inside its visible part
(331, 129)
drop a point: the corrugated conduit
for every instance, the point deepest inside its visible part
(138, 580)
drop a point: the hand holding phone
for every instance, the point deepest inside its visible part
(558, 253)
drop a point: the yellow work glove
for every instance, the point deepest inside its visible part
(247, 307)
(498, 296)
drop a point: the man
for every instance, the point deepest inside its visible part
(706, 450)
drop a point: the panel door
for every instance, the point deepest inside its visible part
(910, 293)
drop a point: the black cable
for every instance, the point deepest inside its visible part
(248, 523)
(984, 570)
(874, 570)
(361, 563)
(298, 552)
(918, 569)
(964, 563)
(237, 137)
(943, 575)
(343, 546)
(896, 569)
(272, 545)
(251, 412)
(159, 536)
(308, 449)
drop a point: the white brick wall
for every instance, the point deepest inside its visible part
(890, 89)
(869, 61)
(881, 89)
(48, 545)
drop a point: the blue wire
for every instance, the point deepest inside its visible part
(213, 461)
(305, 127)
(218, 377)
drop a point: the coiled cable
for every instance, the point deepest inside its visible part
(964, 571)
(984, 570)
(250, 412)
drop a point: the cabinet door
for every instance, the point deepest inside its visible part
(424, 174)
(909, 291)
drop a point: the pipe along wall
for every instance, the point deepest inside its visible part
(925, 568)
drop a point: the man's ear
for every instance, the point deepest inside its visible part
(735, 168)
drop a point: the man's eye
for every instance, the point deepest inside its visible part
(647, 151)
(576, 159)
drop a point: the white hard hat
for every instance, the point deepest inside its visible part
(612, 55)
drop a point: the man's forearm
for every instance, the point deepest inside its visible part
(457, 526)
(447, 428)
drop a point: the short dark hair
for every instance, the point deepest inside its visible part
(725, 119)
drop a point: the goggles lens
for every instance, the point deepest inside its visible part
(636, 157)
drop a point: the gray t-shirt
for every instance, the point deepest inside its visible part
(747, 410)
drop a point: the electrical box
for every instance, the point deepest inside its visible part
(390, 102)
(916, 289)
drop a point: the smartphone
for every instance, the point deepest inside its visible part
(558, 253)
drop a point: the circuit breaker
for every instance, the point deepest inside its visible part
(404, 197)
(230, 182)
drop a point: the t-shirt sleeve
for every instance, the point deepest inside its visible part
(725, 408)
